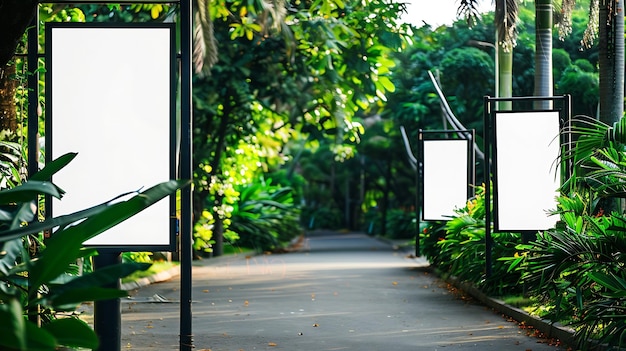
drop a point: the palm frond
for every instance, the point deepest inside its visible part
(563, 14)
(506, 22)
(204, 44)
(468, 9)
(591, 32)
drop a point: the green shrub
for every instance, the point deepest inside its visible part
(400, 224)
(265, 218)
(576, 270)
(457, 248)
(50, 280)
(322, 218)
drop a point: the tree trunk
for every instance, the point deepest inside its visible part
(8, 88)
(543, 52)
(505, 76)
(611, 71)
(218, 227)
(611, 60)
(504, 54)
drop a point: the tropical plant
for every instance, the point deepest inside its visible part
(461, 250)
(48, 282)
(577, 268)
(265, 217)
(400, 224)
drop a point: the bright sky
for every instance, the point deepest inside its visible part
(437, 12)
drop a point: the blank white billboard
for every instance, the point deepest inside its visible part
(445, 178)
(111, 101)
(527, 179)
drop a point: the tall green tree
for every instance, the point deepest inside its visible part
(606, 25)
(506, 24)
(307, 75)
(506, 12)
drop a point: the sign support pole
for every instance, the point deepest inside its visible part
(186, 172)
(107, 313)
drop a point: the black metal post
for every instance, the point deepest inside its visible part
(186, 172)
(487, 152)
(33, 96)
(32, 60)
(418, 192)
(107, 313)
(417, 212)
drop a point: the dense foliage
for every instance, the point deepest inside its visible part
(316, 92)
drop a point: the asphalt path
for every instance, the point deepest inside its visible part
(339, 291)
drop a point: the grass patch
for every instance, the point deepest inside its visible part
(518, 301)
(157, 267)
(231, 249)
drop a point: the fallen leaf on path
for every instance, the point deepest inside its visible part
(395, 283)
(271, 344)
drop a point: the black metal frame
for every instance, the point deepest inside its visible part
(468, 135)
(185, 169)
(491, 107)
(172, 123)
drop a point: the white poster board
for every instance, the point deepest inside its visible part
(445, 178)
(111, 101)
(527, 171)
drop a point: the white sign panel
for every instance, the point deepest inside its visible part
(445, 175)
(111, 102)
(527, 171)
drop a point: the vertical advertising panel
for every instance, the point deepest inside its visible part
(526, 182)
(111, 100)
(445, 177)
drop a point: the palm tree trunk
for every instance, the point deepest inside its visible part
(505, 76)
(611, 71)
(506, 16)
(543, 53)
(611, 60)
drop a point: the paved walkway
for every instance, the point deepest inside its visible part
(339, 292)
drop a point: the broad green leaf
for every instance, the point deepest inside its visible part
(72, 332)
(38, 339)
(13, 326)
(64, 246)
(9, 251)
(101, 277)
(48, 224)
(386, 82)
(70, 299)
(615, 285)
(52, 167)
(28, 191)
